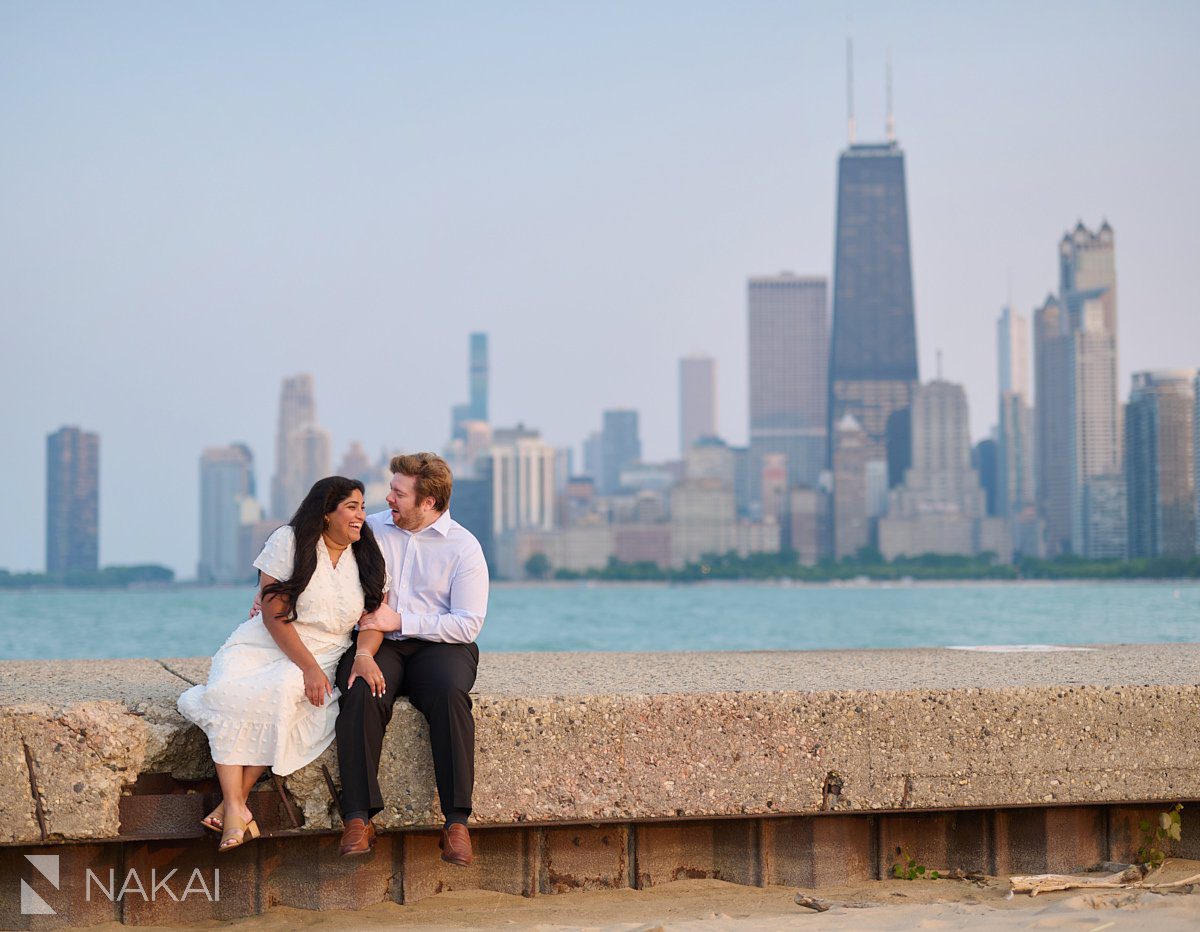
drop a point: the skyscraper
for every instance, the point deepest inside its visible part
(620, 446)
(309, 458)
(472, 506)
(1088, 283)
(356, 464)
(72, 501)
(226, 503)
(1053, 419)
(297, 409)
(941, 478)
(1015, 493)
(478, 374)
(1079, 433)
(697, 401)
(873, 353)
(984, 459)
(1012, 331)
(941, 506)
(523, 493)
(476, 409)
(1160, 464)
(788, 366)
(851, 527)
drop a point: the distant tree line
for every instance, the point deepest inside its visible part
(869, 563)
(111, 577)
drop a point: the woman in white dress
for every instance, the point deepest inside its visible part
(269, 701)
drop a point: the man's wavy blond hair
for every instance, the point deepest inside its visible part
(432, 474)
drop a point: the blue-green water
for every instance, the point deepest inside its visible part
(742, 616)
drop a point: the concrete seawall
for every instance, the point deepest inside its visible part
(633, 767)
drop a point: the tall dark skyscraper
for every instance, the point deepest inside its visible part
(873, 353)
(471, 503)
(620, 446)
(478, 405)
(476, 409)
(72, 501)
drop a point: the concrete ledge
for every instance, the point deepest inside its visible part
(567, 739)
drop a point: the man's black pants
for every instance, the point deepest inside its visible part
(436, 679)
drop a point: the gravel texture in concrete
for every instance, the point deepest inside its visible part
(579, 738)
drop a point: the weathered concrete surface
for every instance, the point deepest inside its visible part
(587, 738)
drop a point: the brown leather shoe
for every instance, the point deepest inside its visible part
(358, 838)
(456, 845)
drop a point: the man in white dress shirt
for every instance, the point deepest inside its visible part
(433, 613)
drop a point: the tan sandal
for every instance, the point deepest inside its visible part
(213, 820)
(234, 835)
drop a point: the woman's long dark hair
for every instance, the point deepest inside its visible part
(308, 522)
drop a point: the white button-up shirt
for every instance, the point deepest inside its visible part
(439, 579)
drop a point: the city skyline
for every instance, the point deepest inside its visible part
(234, 298)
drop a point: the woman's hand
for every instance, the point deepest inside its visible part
(366, 669)
(316, 685)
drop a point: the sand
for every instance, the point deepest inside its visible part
(712, 905)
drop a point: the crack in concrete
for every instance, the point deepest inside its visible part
(34, 791)
(163, 664)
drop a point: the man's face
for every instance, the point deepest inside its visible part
(407, 513)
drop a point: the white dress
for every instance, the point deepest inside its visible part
(253, 708)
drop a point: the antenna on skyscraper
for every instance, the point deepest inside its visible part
(850, 87)
(891, 120)
(939, 361)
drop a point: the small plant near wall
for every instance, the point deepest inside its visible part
(1157, 836)
(907, 868)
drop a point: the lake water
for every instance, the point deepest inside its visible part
(186, 622)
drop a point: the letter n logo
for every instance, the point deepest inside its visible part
(31, 903)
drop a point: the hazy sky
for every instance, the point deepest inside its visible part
(201, 198)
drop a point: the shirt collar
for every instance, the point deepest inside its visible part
(442, 524)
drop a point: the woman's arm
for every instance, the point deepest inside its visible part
(365, 667)
(274, 609)
(369, 642)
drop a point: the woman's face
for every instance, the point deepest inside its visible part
(344, 524)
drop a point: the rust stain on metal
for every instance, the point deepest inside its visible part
(694, 873)
(161, 816)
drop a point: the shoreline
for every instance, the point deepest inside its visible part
(863, 582)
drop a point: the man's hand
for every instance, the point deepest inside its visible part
(366, 669)
(384, 618)
(257, 606)
(316, 685)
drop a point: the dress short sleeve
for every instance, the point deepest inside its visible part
(278, 554)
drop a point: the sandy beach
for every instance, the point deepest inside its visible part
(715, 905)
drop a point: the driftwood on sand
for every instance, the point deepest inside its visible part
(1130, 877)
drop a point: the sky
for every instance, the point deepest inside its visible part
(199, 199)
